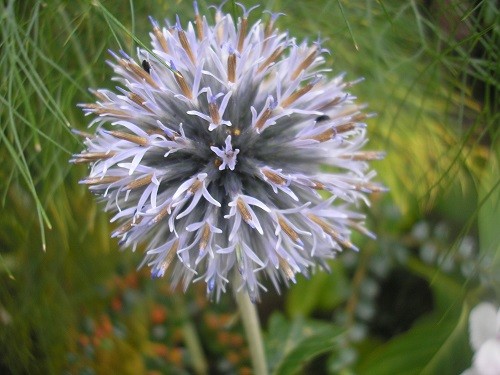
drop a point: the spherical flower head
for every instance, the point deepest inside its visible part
(229, 153)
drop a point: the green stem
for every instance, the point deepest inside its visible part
(251, 324)
(192, 341)
(195, 349)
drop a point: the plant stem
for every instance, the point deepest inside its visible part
(193, 344)
(194, 347)
(253, 331)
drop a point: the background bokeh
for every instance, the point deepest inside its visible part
(71, 302)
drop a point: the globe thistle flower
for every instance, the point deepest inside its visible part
(211, 153)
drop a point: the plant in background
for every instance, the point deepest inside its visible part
(211, 153)
(484, 328)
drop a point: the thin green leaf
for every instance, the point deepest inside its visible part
(321, 292)
(291, 345)
(339, 2)
(427, 346)
(445, 361)
(489, 214)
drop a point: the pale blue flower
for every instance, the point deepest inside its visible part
(230, 154)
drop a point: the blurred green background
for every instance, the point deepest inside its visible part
(72, 303)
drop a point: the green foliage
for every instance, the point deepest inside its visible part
(489, 212)
(323, 291)
(437, 344)
(291, 345)
(432, 347)
(416, 75)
